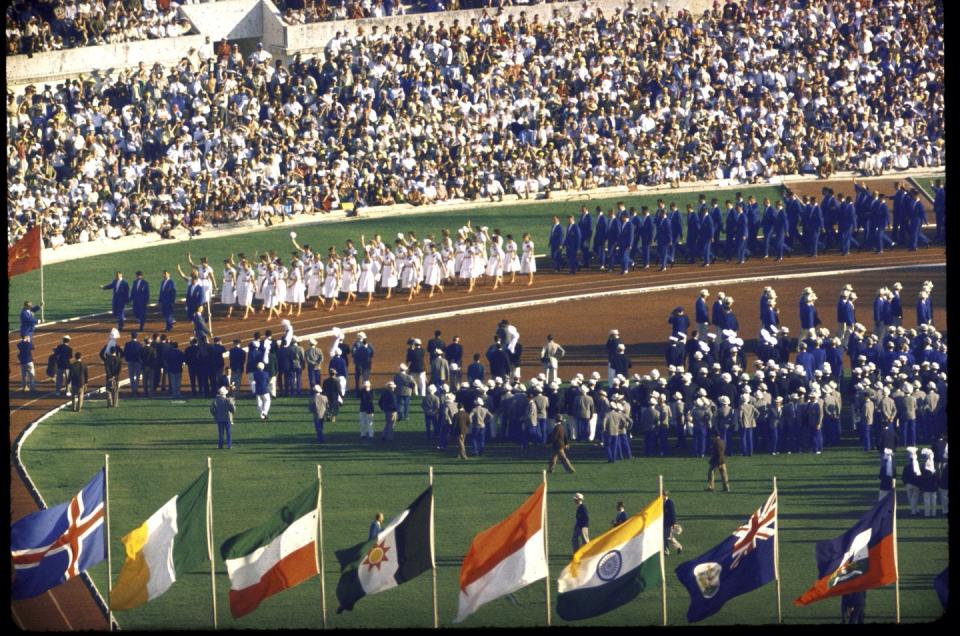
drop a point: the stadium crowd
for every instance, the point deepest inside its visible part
(475, 111)
(54, 25)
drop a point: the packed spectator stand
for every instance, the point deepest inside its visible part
(743, 92)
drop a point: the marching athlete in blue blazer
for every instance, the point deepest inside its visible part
(121, 296)
(140, 295)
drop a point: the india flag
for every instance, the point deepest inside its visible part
(172, 541)
(275, 556)
(614, 568)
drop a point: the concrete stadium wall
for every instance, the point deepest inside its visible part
(230, 19)
(311, 38)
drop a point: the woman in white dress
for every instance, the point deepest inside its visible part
(228, 293)
(410, 275)
(459, 253)
(331, 282)
(261, 277)
(528, 264)
(348, 277)
(311, 269)
(479, 258)
(245, 287)
(269, 290)
(280, 286)
(367, 282)
(495, 261)
(466, 265)
(448, 260)
(296, 289)
(511, 260)
(388, 272)
(433, 269)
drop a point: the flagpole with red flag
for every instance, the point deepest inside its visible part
(40, 258)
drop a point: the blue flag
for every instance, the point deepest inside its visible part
(741, 563)
(53, 545)
(942, 585)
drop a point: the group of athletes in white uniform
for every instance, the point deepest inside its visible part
(470, 256)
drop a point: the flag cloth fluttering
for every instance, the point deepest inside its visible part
(24, 255)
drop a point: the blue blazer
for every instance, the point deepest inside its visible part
(168, 292)
(556, 236)
(121, 294)
(140, 294)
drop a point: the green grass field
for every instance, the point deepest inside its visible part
(73, 288)
(158, 447)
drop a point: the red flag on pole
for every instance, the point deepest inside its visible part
(24, 255)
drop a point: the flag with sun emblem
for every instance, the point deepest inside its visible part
(400, 552)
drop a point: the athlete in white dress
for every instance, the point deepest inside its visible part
(467, 267)
(245, 287)
(228, 293)
(495, 261)
(459, 253)
(449, 260)
(410, 275)
(433, 269)
(261, 278)
(348, 276)
(528, 264)
(280, 274)
(269, 291)
(511, 261)
(388, 272)
(367, 283)
(296, 289)
(331, 282)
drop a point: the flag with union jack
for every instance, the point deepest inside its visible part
(743, 562)
(50, 546)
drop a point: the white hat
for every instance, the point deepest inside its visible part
(431, 389)
(578, 496)
(621, 347)
(362, 335)
(316, 388)
(403, 367)
(479, 401)
(260, 365)
(223, 390)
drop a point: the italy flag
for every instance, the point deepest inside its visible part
(614, 568)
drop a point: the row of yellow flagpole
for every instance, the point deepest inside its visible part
(436, 622)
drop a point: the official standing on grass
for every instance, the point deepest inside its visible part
(112, 367)
(558, 439)
(132, 351)
(78, 377)
(718, 463)
(222, 409)
(28, 376)
(261, 383)
(318, 407)
(375, 526)
(581, 524)
(388, 405)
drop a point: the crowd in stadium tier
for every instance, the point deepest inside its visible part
(36, 26)
(502, 105)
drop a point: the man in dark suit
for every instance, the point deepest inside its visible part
(166, 298)
(571, 244)
(556, 242)
(121, 296)
(586, 231)
(140, 295)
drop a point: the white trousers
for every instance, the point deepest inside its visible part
(263, 404)
(593, 426)
(929, 504)
(913, 496)
(366, 425)
(944, 501)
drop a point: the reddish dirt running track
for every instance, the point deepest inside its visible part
(580, 325)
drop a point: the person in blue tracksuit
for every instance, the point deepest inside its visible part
(664, 239)
(813, 226)
(769, 319)
(730, 229)
(572, 244)
(613, 236)
(752, 210)
(121, 297)
(586, 231)
(847, 225)
(166, 299)
(676, 231)
(717, 313)
(693, 232)
(140, 295)
(939, 206)
(705, 237)
(766, 225)
(556, 242)
(741, 234)
(917, 216)
(830, 208)
(599, 237)
(895, 307)
(794, 207)
(924, 308)
(647, 227)
(625, 243)
(781, 224)
(716, 215)
(28, 321)
(880, 217)
(702, 314)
